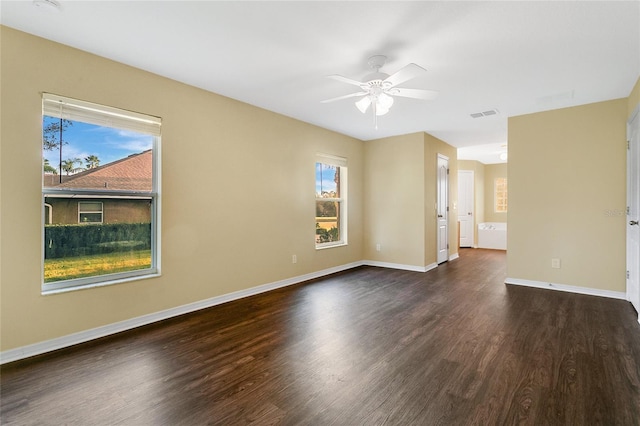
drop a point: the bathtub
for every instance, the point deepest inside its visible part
(492, 235)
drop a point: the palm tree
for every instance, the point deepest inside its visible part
(92, 161)
(48, 168)
(68, 165)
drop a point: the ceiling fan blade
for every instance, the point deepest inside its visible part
(426, 95)
(404, 74)
(351, 95)
(346, 80)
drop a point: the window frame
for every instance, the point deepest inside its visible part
(500, 195)
(341, 163)
(81, 212)
(112, 118)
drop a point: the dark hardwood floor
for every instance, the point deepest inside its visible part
(371, 346)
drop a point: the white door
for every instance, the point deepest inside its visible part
(465, 207)
(443, 208)
(633, 214)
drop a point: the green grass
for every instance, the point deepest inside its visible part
(98, 264)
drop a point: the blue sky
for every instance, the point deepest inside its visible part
(108, 144)
(325, 178)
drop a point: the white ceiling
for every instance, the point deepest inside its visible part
(516, 57)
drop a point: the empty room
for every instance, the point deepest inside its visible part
(319, 213)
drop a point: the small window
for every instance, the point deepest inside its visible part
(98, 159)
(500, 195)
(331, 205)
(89, 212)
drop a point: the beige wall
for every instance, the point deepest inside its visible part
(478, 192)
(394, 181)
(567, 196)
(400, 197)
(491, 173)
(237, 192)
(229, 161)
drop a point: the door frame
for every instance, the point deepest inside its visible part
(442, 211)
(633, 211)
(472, 205)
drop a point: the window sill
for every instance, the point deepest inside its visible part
(48, 292)
(331, 245)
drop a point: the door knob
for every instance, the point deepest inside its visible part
(440, 215)
(469, 213)
(633, 222)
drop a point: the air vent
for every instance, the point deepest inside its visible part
(484, 113)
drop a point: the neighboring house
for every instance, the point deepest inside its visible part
(133, 173)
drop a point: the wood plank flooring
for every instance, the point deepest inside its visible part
(370, 346)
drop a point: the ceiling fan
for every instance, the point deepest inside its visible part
(379, 88)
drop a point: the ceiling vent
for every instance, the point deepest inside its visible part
(484, 113)
(47, 5)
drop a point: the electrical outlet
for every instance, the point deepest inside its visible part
(378, 247)
(555, 263)
(294, 259)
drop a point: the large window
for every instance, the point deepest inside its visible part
(500, 195)
(331, 201)
(100, 194)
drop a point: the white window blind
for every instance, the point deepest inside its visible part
(331, 159)
(87, 112)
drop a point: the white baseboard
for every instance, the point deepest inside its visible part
(454, 256)
(106, 330)
(413, 268)
(568, 288)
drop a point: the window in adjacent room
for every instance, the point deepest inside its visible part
(100, 194)
(500, 195)
(331, 201)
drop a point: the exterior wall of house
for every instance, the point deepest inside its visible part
(567, 196)
(64, 211)
(237, 197)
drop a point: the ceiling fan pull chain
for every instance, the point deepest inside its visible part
(375, 116)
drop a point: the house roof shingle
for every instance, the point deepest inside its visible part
(133, 173)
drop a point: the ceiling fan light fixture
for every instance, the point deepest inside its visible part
(381, 111)
(363, 104)
(384, 101)
(380, 88)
